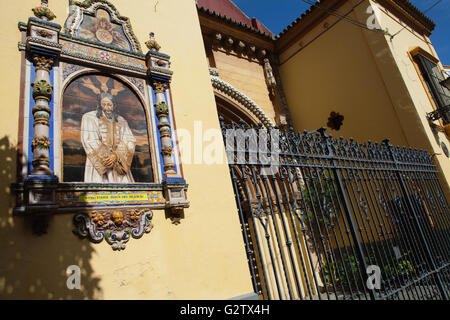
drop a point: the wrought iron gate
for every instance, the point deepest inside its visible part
(326, 218)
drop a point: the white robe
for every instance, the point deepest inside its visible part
(100, 137)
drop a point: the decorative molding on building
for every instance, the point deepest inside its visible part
(97, 56)
(244, 100)
(42, 39)
(214, 72)
(68, 69)
(115, 226)
(158, 67)
(270, 78)
(138, 83)
(335, 121)
(284, 119)
(108, 186)
(99, 45)
(240, 47)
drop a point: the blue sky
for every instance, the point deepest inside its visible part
(278, 14)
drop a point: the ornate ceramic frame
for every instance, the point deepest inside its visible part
(149, 75)
(78, 9)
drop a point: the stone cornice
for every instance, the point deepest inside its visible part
(211, 26)
(231, 44)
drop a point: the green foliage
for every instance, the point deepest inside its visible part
(402, 267)
(334, 271)
(320, 199)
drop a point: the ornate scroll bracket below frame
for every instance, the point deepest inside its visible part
(115, 226)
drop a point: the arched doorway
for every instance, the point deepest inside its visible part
(232, 112)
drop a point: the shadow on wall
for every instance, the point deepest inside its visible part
(32, 266)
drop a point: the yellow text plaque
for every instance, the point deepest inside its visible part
(113, 197)
(80, 199)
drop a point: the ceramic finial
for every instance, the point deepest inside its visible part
(43, 12)
(152, 44)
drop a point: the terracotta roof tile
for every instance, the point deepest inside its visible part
(227, 9)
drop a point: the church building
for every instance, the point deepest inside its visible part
(178, 149)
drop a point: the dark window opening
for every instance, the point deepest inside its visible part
(433, 78)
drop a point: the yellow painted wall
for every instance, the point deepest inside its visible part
(246, 76)
(363, 76)
(417, 128)
(202, 258)
(337, 72)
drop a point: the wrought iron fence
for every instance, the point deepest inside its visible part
(319, 214)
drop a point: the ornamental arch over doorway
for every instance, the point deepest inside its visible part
(233, 112)
(233, 102)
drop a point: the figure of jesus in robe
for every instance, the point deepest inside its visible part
(108, 142)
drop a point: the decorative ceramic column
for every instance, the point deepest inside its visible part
(159, 77)
(42, 49)
(42, 94)
(162, 112)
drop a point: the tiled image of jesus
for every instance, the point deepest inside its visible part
(108, 142)
(104, 134)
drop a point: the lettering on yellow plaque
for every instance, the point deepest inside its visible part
(113, 197)
(79, 199)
